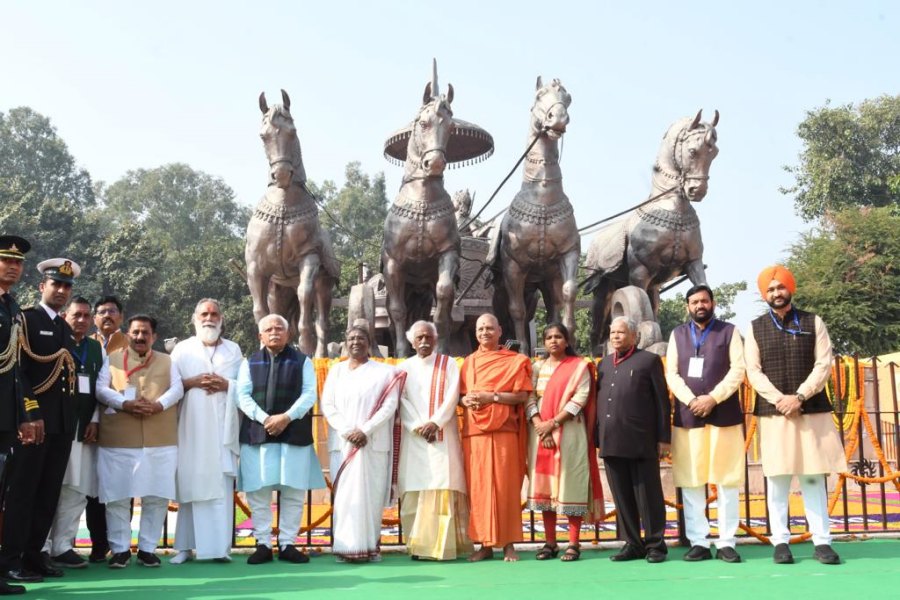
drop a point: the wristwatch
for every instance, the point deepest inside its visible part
(801, 398)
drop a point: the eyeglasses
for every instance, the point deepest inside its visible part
(107, 311)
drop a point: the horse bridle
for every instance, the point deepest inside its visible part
(423, 153)
(680, 177)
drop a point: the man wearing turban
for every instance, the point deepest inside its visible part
(788, 355)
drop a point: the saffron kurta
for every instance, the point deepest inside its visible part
(494, 446)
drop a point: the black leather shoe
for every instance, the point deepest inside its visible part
(263, 554)
(628, 552)
(10, 590)
(782, 555)
(291, 554)
(655, 555)
(728, 554)
(826, 555)
(697, 553)
(42, 565)
(23, 576)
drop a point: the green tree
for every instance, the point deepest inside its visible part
(850, 158)
(44, 196)
(848, 272)
(673, 311)
(354, 216)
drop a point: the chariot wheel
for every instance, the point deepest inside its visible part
(633, 303)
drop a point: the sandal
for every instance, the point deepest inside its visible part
(546, 552)
(571, 554)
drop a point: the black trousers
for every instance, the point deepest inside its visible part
(95, 515)
(637, 492)
(34, 479)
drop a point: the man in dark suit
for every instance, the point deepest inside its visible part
(20, 420)
(633, 431)
(36, 470)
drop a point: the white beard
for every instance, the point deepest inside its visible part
(208, 334)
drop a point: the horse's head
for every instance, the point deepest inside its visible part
(550, 112)
(427, 148)
(686, 155)
(279, 137)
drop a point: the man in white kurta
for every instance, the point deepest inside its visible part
(276, 391)
(359, 401)
(207, 438)
(431, 477)
(138, 441)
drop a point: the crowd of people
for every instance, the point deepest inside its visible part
(89, 423)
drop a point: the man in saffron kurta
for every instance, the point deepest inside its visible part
(431, 477)
(495, 383)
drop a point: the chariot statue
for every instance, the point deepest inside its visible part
(291, 267)
(661, 239)
(421, 247)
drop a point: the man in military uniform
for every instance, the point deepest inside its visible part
(36, 470)
(19, 415)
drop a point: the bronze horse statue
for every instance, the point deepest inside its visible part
(661, 240)
(420, 251)
(291, 266)
(537, 246)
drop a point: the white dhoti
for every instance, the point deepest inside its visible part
(207, 525)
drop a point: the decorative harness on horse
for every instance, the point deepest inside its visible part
(539, 214)
(672, 220)
(278, 213)
(420, 210)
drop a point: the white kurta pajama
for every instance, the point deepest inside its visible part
(287, 468)
(364, 489)
(431, 477)
(207, 437)
(147, 473)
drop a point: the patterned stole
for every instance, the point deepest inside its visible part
(438, 379)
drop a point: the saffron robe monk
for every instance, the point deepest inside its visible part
(494, 384)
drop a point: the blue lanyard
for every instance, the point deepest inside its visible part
(698, 343)
(780, 327)
(81, 357)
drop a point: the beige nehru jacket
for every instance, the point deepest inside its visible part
(119, 429)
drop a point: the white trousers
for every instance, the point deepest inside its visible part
(260, 503)
(696, 524)
(65, 521)
(207, 526)
(815, 505)
(118, 523)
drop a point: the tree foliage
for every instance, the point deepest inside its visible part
(850, 158)
(848, 272)
(673, 311)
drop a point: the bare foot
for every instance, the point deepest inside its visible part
(510, 554)
(483, 553)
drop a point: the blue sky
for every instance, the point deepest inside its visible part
(137, 85)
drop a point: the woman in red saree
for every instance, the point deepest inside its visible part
(562, 460)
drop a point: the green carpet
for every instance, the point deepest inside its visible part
(871, 570)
